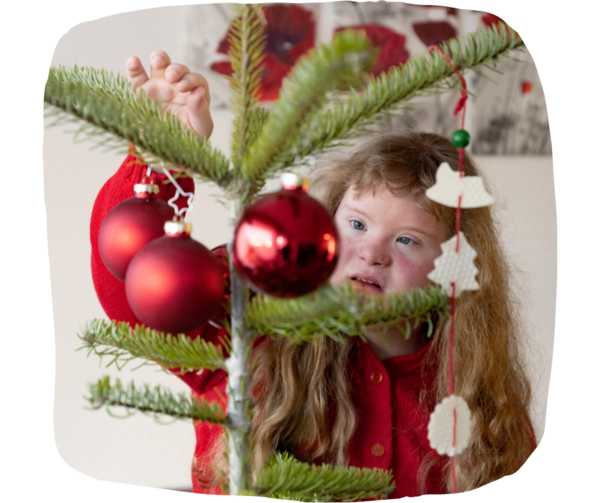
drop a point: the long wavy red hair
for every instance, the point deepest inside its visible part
(301, 382)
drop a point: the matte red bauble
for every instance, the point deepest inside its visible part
(174, 284)
(130, 226)
(285, 244)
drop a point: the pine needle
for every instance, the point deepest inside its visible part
(122, 344)
(339, 312)
(247, 40)
(108, 111)
(157, 402)
(302, 94)
(285, 477)
(420, 76)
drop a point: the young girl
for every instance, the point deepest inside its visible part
(367, 404)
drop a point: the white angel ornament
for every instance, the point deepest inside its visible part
(449, 186)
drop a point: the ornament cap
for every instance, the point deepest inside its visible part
(145, 189)
(291, 181)
(174, 228)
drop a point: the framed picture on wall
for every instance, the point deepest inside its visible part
(507, 103)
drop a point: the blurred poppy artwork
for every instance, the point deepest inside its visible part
(434, 32)
(390, 44)
(490, 19)
(290, 33)
(451, 11)
(507, 101)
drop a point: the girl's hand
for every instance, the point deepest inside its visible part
(183, 93)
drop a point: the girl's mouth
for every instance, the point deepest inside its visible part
(366, 285)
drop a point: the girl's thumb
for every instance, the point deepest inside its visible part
(199, 114)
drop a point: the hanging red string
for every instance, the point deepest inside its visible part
(460, 105)
(462, 101)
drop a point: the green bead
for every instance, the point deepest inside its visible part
(460, 138)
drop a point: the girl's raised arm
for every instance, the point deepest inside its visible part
(183, 93)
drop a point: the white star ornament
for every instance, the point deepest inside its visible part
(455, 267)
(449, 185)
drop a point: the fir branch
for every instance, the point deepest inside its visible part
(123, 344)
(107, 110)
(302, 94)
(342, 311)
(257, 118)
(154, 402)
(420, 76)
(247, 40)
(285, 477)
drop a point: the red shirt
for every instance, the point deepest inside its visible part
(392, 422)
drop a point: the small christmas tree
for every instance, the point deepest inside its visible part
(327, 97)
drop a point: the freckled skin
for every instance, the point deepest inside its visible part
(392, 240)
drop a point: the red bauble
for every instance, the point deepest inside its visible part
(174, 284)
(285, 244)
(130, 226)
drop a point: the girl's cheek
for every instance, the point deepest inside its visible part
(425, 268)
(347, 249)
(411, 274)
(344, 259)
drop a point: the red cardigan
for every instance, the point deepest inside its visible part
(392, 427)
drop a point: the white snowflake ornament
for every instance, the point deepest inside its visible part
(449, 185)
(455, 267)
(440, 430)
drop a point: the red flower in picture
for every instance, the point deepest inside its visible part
(389, 42)
(526, 87)
(290, 33)
(451, 11)
(490, 19)
(434, 32)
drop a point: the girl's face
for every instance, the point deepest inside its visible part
(387, 242)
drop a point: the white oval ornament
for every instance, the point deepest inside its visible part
(441, 423)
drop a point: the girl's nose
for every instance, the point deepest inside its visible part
(375, 255)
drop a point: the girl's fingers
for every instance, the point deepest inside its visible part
(199, 114)
(179, 76)
(136, 74)
(175, 72)
(159, 61)
(191, 81)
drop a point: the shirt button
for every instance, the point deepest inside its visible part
(376, 377)
(377, 450)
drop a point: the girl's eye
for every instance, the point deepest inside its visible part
(405, 241)
(359, 226)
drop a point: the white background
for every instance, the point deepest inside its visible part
(137, 451)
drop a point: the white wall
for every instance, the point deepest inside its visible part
(137, 450)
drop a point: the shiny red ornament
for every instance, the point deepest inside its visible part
(286, 244)
(130, 226)
(174, 284)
